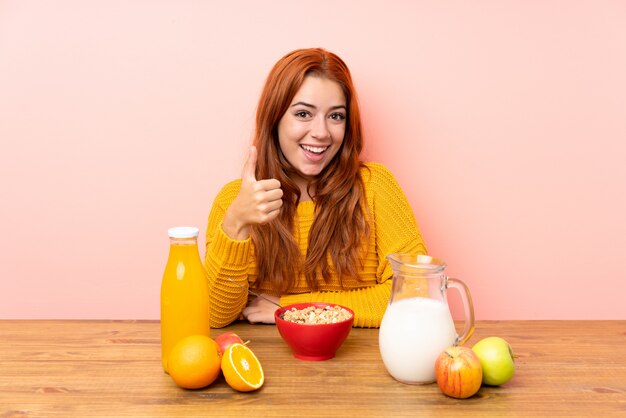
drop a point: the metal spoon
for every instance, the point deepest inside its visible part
(258, 295)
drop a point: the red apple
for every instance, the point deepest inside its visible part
(226, 339)
(459, 373)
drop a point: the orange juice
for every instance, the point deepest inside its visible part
(184, 291)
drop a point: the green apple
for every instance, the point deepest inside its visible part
(496, 358)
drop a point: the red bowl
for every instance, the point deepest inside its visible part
(313, 342)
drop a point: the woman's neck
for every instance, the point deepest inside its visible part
(304, 192)
(304, 196)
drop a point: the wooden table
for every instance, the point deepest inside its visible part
(113, 369)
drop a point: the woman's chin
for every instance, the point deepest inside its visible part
(309, 171)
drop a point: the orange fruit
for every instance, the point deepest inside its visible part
(194, 362)
(242, 369)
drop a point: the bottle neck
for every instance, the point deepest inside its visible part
(183, 241)
(185, 250)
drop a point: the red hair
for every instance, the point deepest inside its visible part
(340, 225)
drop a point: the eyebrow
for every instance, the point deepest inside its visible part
(314, 107)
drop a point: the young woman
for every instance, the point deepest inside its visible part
(308, 220)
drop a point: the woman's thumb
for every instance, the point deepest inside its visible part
(249, 168)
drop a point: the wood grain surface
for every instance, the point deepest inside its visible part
(113, 369)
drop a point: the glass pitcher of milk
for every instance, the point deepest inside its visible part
(417, 325)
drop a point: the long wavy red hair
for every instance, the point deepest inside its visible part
(340, 224)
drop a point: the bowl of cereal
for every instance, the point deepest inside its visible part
(314, 331)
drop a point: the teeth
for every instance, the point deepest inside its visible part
(316, 150)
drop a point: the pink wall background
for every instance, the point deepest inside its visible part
(505, 122)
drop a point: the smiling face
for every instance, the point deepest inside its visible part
(312, 129)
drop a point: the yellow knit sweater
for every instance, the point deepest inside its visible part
(393, 229)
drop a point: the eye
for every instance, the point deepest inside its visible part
(338, 117)
(302, 114)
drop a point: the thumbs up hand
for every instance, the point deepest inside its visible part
(258, 201)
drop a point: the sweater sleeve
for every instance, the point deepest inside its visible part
(225, 259)
(395, 230)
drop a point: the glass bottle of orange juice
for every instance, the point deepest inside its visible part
(184, 291)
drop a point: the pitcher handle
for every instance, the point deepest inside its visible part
(468, 309)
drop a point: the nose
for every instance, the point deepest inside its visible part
(319, 128)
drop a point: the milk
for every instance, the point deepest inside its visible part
(412, 334)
